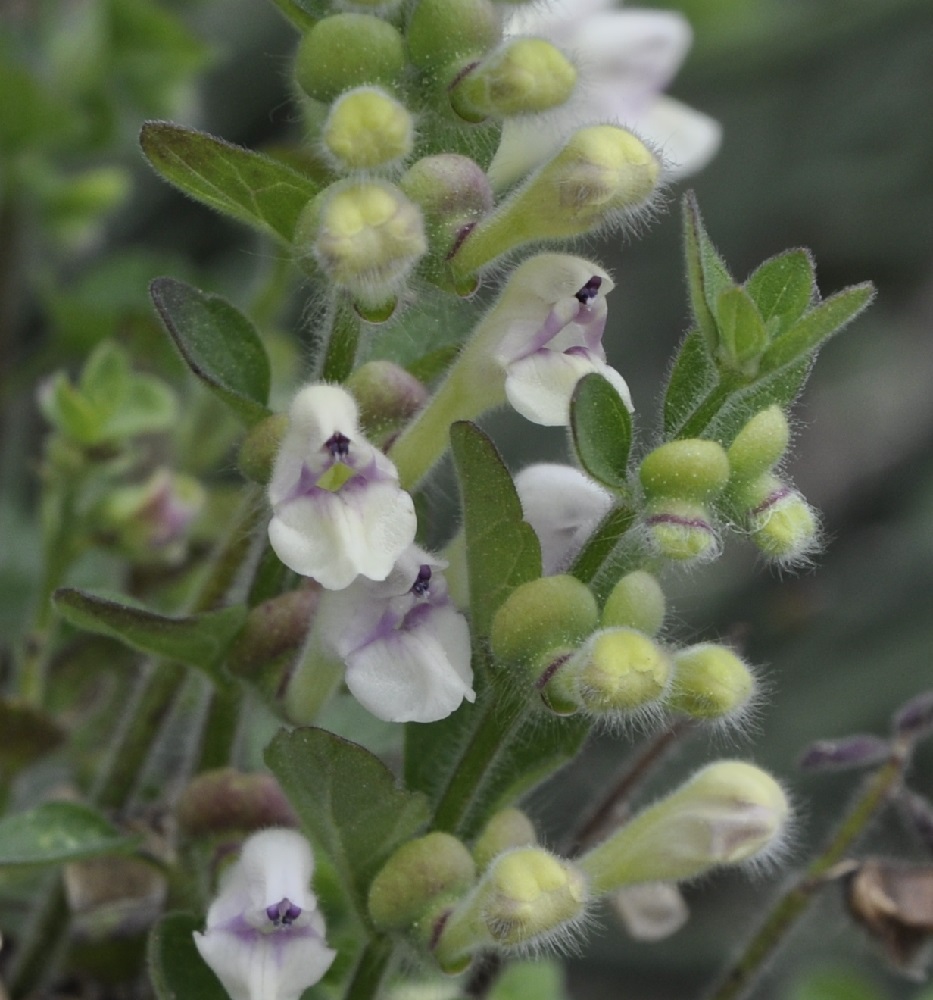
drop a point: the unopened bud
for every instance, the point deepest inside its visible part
(524, 76)
(692, 469)
(710, 682)
(419, 877)
(603, 172)
(616, 672)
(260, 446)
(366, 236)
(346, 51)
(727, 813)
(526, 896)
(508, 828)
(443, 32)
(682, 531)
(759, 445)
(367, 129)
(915, 718)
(860, 750)
(636, 601)
(225, 800)
(780, 522)
(387, 395)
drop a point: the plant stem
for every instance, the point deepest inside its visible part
(791, 906)
(372, 970)
(343, 340)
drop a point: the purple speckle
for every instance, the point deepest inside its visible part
(338, 445)
(284, 913)
(589, 291)
(422, 582)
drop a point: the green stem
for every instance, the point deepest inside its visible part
(601, 544)
(372, 970)
(220, 729)
(791, 906)
(343, 341)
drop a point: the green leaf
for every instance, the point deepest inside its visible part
(817, 326)
(176, 969)
(348, 802)
(253, 188)
(742, 334)
(707, 275)
(219, 344)
(836, 984)
(503, 550)
(198, 641)
(31, 117)
(601, 429)
(59, 831)
(693, 377)
(782, 288)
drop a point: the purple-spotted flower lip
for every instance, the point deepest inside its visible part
(423, 581)
(338, 445)
(283, 913)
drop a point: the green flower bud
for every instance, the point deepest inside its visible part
(780, 522)
(366, 129)
(525, 76)
(418, 878)
(682, 531)
(616, 672)
(692, 469)
(508, 828)
(710, 682)
(346, 51)
(603, 172)
(452, 191)
(543, 620)
(442, 32)
(366, 236)
(226, 800)
(260, 446)
(636, 601)
(387, 396)
(727, 813)
(527, 896)
(760, 445)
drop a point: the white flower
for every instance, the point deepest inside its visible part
(338, 509)
(651, 911)
(553, 314)
(405, 646)
(625, 59)
(564, 506)
(265, 937)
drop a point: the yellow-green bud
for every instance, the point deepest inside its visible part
(346, 51)
(418, 878)
(692, 469)
(617, 671)
(727, 813)
(526, 896)
(366, 236)
(367, 129)
(710, 682)
(636, 601)
(602, 172)
(508, 828)
(543, 620)
(780, 522)
(441, 32)
(682, 531)
(760, 445)
(387, 396)
(260, 446)
(225, 800)
(524, 76)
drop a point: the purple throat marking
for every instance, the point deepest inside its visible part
(589, 291)
(284, 913)
(338, 445)
(422, 582)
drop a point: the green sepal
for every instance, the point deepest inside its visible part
(198, 641)
(707, 275)
(59, 831)
(742, 333)
(601, 431)
(348, 803)
(255, 189)
(503, 550)
(692, 378)
(218, 343)
(176, 969)
(816, 326)
(782, 288)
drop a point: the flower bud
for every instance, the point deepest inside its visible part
(759, 445)
(914, 719)
(602, 172)
(682, 531)
(387, 396)
(543, 620)
(636, 601)
(260, 446)
(419, 877)
(616, 671)
(780, 522)
(727, 813)
(508, 828)
(348, 50)
(366, 236)
(442, 32)
(692, 469)
(225, 800)
(859, 750)
(366, 129)
(710, 682)
(524, 76)
(527, 896)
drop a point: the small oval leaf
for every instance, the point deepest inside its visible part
(601, 428)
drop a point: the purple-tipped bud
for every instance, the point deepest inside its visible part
(839, 755)
(225, 800)
(914, 719)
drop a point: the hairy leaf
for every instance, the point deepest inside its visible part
(782, 288)
(693, 377)
(601, 429)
